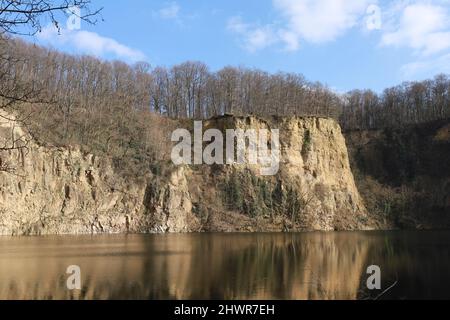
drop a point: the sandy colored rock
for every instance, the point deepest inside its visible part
(66, 191)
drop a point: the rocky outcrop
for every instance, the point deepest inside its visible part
(314, 178)
(49, 190)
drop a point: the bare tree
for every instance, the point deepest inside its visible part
(19, 87)
(105, 105)
(25, 17)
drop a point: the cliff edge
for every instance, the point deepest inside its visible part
(55, 190)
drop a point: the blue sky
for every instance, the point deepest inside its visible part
(345, 44)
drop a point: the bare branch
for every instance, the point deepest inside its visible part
(25, 17)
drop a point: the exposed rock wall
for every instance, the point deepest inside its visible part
(51, 190)
(314, 164)
(66, 191)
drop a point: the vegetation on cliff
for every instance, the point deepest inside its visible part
(127, 113)
(404, 174)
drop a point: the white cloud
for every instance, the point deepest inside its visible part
(169, 11)
(320, 21)
(424, 27)
(290, 39)
(423, 68)
(91, 43)
(172, 12)
(314, 21)
(253, 37)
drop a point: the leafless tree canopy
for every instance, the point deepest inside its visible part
(17, 88)
(110, 107)
(87, 85)
(408, 103)
(26, 16)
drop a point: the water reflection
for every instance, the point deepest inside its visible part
(227, 266)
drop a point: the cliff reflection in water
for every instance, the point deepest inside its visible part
(225, 266)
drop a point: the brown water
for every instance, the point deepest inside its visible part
(227, 266)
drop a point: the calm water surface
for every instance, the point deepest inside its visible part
(227, 266)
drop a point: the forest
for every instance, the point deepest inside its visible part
(113, 108)
(191, 90)
(117, 109)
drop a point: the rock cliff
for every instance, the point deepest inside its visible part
(49, 190)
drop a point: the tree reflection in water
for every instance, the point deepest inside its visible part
(226, 266)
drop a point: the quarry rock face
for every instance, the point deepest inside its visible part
(314, 164)
(49, 190)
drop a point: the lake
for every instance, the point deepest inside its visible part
(228, 266)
